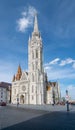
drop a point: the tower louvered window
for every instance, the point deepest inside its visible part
(36, 53)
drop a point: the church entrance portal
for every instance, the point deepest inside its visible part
(22, 99)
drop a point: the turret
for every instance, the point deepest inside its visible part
(19, 73)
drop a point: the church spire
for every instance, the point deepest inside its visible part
(36, 23)
(19, 73)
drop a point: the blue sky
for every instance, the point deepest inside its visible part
(56, 19)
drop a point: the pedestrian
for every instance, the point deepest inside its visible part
(17, 104)
(67, 106)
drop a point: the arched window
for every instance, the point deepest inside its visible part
(32, 88)
(36, 53)
(36, 65)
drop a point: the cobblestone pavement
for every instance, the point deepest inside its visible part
(22, 119)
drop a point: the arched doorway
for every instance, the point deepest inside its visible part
(22, 99)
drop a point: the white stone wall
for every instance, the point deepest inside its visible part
(54, 90)
(20, 88)
(36, 75)
(49, 97)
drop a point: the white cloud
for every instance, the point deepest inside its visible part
(66, 61)
(59, 62)
(23, 24)
(32, 11)
(54, 61)
(55, 74)
(47, 68)
(55, 71)
(26, 19)
(73, 65)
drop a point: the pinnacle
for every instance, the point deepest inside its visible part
(35, 23)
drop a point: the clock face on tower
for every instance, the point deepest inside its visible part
(23, 88)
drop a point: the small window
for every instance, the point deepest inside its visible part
(1, 96)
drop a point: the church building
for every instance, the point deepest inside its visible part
(31, 87)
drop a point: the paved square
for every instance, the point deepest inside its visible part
(12, 115)
(12, 118)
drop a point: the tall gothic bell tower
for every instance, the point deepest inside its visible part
(35, 64)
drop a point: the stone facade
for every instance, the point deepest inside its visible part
(53, 93)
(31, 87)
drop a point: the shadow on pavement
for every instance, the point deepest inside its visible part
(50, 121)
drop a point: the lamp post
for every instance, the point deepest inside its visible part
(67, 100)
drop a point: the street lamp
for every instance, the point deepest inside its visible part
(67, 100)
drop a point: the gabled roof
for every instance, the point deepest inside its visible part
(24, 75)
(5, 85)
(52, 83)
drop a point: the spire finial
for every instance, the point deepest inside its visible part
(35, 23)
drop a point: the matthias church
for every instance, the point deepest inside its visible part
(32, 87)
